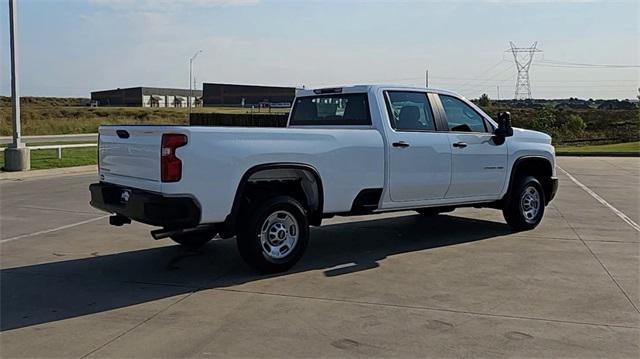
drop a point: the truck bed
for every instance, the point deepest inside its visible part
(216, 158)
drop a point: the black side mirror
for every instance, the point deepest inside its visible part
(504, 129)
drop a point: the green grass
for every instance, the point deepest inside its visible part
(43, 159)
(628, 147)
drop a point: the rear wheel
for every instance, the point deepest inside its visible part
(275, 234)
(193, 240)
(525, 206)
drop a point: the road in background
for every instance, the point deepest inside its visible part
(86, 137)
(396, 284)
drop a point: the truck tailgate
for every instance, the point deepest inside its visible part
(129, 153)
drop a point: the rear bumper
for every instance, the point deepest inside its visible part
(144, 206)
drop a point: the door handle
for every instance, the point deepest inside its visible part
(400, 144)
(460, 145)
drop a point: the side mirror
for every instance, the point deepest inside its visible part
(504, 127)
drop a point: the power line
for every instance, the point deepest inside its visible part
(484, 83)
(564, 81)
(484, 72)
(585, 67)
(555, 63)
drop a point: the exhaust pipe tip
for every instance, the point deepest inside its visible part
(158, 234)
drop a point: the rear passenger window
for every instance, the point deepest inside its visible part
(460, 116)
(410, 111)
(338, 109)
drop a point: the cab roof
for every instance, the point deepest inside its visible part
(367, 88)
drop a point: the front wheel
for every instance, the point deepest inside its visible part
(525, 207)
(275, 235)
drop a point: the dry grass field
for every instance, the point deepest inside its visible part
(38, 119)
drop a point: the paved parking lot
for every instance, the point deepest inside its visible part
(389, 285)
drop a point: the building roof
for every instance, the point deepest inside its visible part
(246, 85)
(154, 91)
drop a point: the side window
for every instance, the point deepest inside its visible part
(460, 116)
(410, 111)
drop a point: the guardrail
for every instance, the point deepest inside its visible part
(60, 147)
(78, 137)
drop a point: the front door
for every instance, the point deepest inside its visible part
(419, 156)
(479, 166)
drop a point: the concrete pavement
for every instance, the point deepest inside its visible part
(51, 172)
(388, 285)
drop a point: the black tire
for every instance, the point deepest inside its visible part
(193, 240)
(518, 211)
(268, 229)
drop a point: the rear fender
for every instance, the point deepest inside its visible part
(313, 191)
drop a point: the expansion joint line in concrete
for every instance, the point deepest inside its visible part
(415, 307)
(137, 325)
(599, 261)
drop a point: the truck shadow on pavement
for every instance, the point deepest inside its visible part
(54, 291)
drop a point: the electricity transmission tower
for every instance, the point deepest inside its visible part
(523, 56)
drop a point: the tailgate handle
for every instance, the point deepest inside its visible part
(122, 133)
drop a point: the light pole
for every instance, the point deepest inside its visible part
(17, 155)
(190, 77)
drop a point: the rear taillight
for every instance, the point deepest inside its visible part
(170, 165)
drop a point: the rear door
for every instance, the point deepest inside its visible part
(478, 163)
(419, 156)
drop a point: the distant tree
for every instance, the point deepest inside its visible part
(545, 121)
(484, 100)
(574, 126)
(638, 104)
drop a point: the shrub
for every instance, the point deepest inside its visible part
(484, 100)
(545, 121)
(573, 127)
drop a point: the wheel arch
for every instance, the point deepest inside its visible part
(538, 166)
(311, 187)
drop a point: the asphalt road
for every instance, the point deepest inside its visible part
(88, 137)
(389, 285)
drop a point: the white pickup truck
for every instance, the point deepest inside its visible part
(345, 151)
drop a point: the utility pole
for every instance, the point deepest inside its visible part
(498, 88)
(190, 77)
(195, 88)
(523, 56)
(426, 78)
(17, 155)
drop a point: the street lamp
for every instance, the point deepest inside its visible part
(190, 77)
(17, 156)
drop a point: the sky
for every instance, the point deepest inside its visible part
(71, 47)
